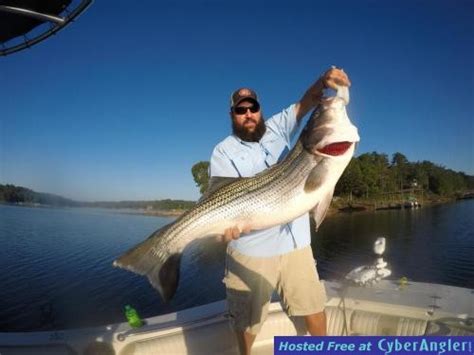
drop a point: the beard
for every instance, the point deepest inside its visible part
(250, 136)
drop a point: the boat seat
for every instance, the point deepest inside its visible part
(334, 321)
(451, 326)
(369, 323)
(212, 338)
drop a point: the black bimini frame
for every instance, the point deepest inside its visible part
(19, 17)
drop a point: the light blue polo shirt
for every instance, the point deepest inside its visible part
(234, 157)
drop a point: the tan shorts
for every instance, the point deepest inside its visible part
(250, 282)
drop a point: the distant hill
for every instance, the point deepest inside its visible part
(22, 195)
(19, 194)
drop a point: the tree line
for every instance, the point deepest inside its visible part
(369, 175)
(19, 194)
(22, 195)
(373, 174)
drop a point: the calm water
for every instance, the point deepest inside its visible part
(57, 263)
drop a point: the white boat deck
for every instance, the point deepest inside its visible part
(383, 309)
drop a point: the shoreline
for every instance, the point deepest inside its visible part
(161, 213)
(338, 206)
(341, 205)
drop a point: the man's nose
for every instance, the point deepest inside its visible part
(248, 113)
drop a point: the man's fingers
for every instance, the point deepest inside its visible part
(336, 77)
(334, 83)
(230, 234)
(227, 235)
(235, 233)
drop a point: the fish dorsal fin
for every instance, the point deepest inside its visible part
(321, 209)
(215, 183)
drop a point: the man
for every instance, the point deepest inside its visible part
(278, 257)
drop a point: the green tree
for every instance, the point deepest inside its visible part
(375, 170)
(398, 159)
(200, 173)
(400, 169)
(351, 181)
(419, 175)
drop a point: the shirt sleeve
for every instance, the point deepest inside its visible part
(284, 124)
(221, 165)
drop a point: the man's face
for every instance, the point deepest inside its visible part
(247, 125)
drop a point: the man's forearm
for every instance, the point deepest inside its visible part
(310, 99)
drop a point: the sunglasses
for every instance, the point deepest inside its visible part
(241, 110)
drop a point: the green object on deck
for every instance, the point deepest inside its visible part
(403, 282)
(132, 317)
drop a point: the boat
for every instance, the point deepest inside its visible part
(363, 303)
(386, 308)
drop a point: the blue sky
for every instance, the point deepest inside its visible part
(123, 102)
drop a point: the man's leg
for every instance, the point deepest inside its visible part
(301, 291)
(316, 323)
(245, 341)
(249, 285)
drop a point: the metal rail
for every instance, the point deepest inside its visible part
(32, 14)
(59, 23)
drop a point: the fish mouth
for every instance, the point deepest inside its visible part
(335, 149)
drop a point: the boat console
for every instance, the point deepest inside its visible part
(370, 274)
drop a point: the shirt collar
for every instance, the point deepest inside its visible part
(248, 144)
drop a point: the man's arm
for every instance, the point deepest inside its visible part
(330, 79)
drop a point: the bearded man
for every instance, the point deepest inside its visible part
(258, 262)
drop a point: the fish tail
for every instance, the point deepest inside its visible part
(161, 269)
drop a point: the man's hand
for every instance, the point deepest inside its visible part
(332, 78)
(233, 233)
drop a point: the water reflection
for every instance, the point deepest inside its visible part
(57, 263)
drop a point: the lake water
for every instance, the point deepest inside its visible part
(57, 263)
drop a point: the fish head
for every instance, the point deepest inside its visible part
(330, 137)
(329, 132)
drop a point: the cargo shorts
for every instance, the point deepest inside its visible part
(250, 282)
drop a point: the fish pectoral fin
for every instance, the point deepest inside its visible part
(320, 211)
(161, 269)
(314, 179)
(215, 183)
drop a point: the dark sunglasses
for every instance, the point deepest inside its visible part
(241, 110)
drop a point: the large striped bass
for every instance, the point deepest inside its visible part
(303, 181)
